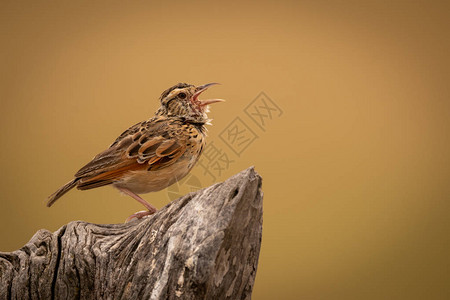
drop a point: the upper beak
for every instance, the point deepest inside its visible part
(201, 89)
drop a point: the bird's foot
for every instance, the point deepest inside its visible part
(139, 215)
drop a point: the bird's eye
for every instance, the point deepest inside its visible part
(182, 95)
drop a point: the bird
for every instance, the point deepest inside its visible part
(153, 154)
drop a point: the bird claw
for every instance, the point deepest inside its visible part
(139, 215)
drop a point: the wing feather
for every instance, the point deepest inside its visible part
(153, 145)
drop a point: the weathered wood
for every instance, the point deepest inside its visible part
(204, 245)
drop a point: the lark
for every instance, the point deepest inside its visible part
(151, 155)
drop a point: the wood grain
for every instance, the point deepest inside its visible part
(204, 245)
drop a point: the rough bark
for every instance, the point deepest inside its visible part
(204, 245)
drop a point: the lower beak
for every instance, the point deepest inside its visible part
(209, 101)
(201, 89)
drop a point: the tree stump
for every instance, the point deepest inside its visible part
(204, 245)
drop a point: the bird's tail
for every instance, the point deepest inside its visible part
(61, 191)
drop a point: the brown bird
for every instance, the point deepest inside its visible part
(152, 154)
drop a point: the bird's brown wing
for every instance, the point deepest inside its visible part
(150, 145)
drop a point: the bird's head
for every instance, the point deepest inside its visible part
(181, 100)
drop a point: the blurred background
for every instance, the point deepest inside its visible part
(342, 107)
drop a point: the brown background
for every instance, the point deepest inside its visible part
(355, 170)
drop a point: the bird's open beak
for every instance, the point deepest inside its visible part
(201, 89)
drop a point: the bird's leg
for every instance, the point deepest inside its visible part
(140, 214)
(147, 205)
